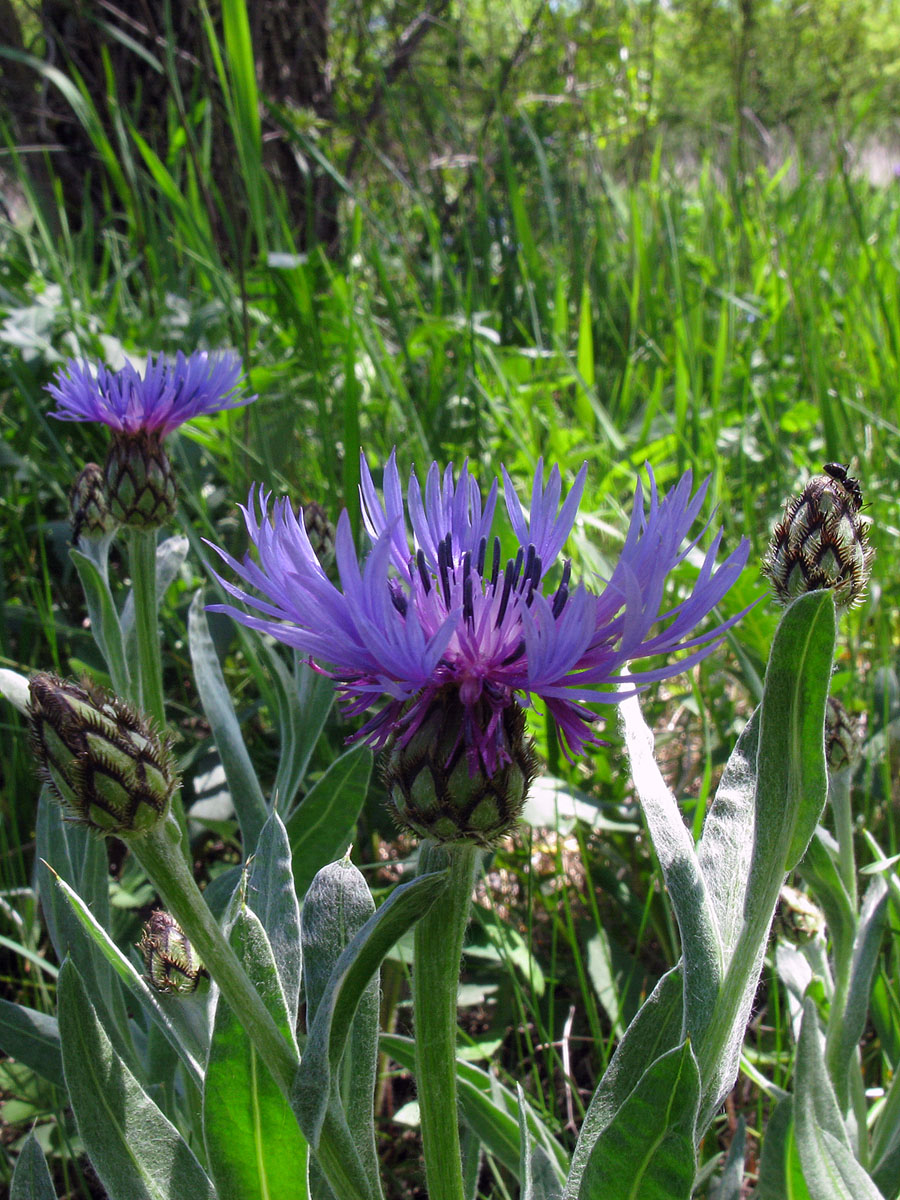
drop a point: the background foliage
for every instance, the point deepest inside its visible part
(626, 233)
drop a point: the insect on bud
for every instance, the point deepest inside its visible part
(88, 506)
(171, 962)
(140, 482)
(439, 787)
(822, 541)
(107, 765)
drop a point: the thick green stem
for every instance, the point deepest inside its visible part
(438, 950)
(159, 854)
(142, 561)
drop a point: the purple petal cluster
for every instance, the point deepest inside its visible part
(167, 393)
(433, 605)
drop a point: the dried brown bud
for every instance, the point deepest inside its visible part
(171, 962)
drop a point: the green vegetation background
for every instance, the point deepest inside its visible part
(629, 233)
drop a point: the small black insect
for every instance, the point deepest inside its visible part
(838, 472)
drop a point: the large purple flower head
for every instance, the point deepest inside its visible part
(167, 393)
(439, 631)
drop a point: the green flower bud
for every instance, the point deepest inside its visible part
(171, 962)
(822, 541)
(88, 506)
(438, 786)
(140, 482)
(841, 736)
(106, 765)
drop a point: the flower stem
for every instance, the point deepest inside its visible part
(438, 949)
(159, 854)
(142, 561)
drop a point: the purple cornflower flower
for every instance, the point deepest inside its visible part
(441, 618)
(168, 393)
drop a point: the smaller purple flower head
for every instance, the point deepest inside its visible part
(167, 393)
(434, 616)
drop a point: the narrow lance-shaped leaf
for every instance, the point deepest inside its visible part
(255, 1147)
(137, 1153)
(321, 827)
(537, 1173)
(104, 619)
(348, 980)
(336, 907)
(850, 1011)
(829, 1168)
(685, 881)
(272, 897)
(647, 1149)
(790, 795)
(33, 1038)
(31, 1178)
(249, 802)
(171, 1020)
(655, 1030)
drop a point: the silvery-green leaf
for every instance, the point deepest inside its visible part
(655, 1030)
(271, 895)
(303, 701)
(795, 973)
(348, 981)
(255, 1147)
(847, 1022)
(137, 1153)
(647, 1149)
(170, 1018)
(537, 1175)
(790, 794)
(780, 1173)
(104, 618)
(79, 858)
(321, 827)
(829, 1168)
(31, 1178)
(731, 1184)
(337, 906)
(246, 794)
(686, 884)
(33, 1038)
(821, 874)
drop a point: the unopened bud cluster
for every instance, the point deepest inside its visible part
(171, 962)
(822, 541)
(440, 790)
(107, 765)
